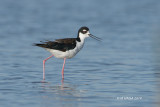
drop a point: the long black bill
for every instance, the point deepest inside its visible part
(94, 37)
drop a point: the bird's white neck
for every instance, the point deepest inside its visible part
(83, 36)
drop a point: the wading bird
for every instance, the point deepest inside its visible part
(66, 48)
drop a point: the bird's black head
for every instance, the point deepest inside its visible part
(83, 33)
(83, 30)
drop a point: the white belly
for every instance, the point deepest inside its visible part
(68, 54)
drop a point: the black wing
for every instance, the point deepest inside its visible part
(59, 44)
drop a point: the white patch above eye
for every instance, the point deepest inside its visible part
(84, 30)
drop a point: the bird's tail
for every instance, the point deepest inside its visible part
(40, 45)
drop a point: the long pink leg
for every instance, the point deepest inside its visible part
(44, 66)
(63, 68)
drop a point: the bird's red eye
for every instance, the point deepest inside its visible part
(84, 32)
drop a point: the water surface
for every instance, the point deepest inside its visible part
(120, 71)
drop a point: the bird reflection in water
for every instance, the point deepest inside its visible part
(63, 89)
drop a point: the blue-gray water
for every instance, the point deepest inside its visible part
(120, 71)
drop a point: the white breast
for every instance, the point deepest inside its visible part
(69, 53)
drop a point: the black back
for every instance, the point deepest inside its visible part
(59, 44)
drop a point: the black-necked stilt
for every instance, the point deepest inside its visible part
(66, 48)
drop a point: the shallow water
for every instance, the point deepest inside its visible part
(120, 71)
